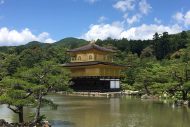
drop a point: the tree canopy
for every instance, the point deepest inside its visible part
(29, 72)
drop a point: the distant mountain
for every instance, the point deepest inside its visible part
(33, 43)
(6, 48)
(188, 33)
(36, 43)
(71, 42)
(66, 42)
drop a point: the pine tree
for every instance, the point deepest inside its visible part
(16, 93)
(47, 76)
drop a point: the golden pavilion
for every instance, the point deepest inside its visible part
(92, 69)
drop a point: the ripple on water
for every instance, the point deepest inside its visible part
(60, 123)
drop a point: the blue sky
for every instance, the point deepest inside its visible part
(48, 21)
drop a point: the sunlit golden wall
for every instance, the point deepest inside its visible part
(96, 70)
(92, 55)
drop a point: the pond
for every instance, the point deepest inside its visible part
(108, 112)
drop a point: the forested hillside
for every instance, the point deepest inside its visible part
(156, 66)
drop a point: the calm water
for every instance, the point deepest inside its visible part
(109, 112)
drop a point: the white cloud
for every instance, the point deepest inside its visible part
(14, 37)
(187, 18)
(49, 40)
(125, 16)
(103, 31)
(133, 19)
(102, 19)
(125, 5)
(158, 21)
(143, 32)
(131, 5)
(144, 7)
(183, 18)
(179, 17)
(2, 2)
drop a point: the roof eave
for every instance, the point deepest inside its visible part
(111, 51)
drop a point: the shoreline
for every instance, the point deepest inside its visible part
(124, 93)
(101, 94)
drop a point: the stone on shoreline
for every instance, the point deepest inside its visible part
(3, 123)
(182, 102)
(130, 92)
(145, 96)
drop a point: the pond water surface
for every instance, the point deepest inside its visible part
(108, 112)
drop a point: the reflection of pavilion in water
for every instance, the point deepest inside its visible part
(110, 112)
(115, 106)
(98, 113)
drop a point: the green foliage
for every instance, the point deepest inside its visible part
(42, 118)
(187, 86)
(71, 42)
(151, 78)
(47, 76)
(181, 75)
(130, 73)
(31, 56)
(31, 71)
(161, 45)
(28, 86)
(147, 52)
(127, 87)
(16, 92)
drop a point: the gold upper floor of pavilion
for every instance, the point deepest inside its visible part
(91, 52)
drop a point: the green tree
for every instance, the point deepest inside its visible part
(16, 93)
(161, 45)
(184, 35)
(47, 76)
(147, 52)
(2, 65)
(57, 54)
(181, 74)
(133, 62)
(30, 56)
(12, 65)
(185, 57)
(151, 78)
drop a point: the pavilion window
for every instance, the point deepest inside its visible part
(95, 57)
(79, 58)
(104, 58)
(90, 57)
(73, 58)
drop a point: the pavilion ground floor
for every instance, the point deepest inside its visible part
(95, 84)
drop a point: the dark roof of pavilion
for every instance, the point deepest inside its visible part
(74, 64)
(89, 47)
